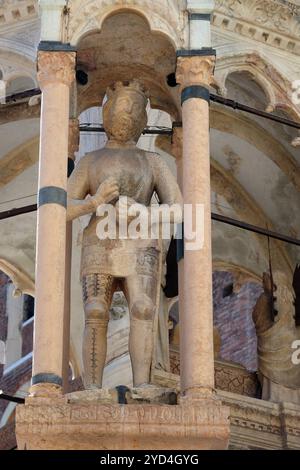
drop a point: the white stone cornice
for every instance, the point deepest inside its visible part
(200, 6)
(272, 22)
(12, 11)
(199, 24)
(52, 14)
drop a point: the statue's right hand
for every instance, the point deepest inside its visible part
(107, 192)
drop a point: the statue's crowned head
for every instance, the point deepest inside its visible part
(124, 113)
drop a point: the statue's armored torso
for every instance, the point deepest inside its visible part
(132, 170)
(130, 167)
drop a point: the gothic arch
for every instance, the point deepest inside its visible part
(277, 88)
(226, 185)
(248, 130)
(19, 159)
(22, 282)
(163, 17)
(223, 183)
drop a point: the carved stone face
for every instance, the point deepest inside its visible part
(124, 115)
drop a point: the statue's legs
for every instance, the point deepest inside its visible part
(140, 291)
(97, 295)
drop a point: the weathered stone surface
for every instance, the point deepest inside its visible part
(151, 394)
(62, 425)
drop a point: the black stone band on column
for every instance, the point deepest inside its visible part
(195, 91)
(205, 51)
(200, 16)
(52, 195)
(56, 46)
(46, 378)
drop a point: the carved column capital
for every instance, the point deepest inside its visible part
(73, 138)
(195, 70)
(56, 67)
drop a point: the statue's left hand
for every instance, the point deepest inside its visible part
(107, 192)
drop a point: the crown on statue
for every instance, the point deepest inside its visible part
(132, 85)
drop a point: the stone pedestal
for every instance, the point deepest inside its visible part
(96, 421)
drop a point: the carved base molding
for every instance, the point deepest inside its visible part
(59, 424)
(258, 424)
(254, 423)
(229, 377)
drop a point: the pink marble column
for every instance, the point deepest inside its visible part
(56, 73)
(195, 74)
(177, 152)
(73, 147)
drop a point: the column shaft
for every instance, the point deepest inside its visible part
(73, 147)
(196, 328)
(56, 72)
(177, 152)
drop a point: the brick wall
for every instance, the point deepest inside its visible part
(233, 318)
(12, 381)
(4, 280)
(27, 337)
(8, 437)
(15, 378)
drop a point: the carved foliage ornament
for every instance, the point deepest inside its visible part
(195, 70)
(56, 67)
(278, 15)
(167, 16)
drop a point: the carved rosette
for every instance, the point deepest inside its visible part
(195, 70)
(73, 137)
(56, 67)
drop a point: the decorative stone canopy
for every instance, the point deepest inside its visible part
(167, 18)
(123, 49)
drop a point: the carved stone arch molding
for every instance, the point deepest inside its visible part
(15, 63)
(226, 185)
(278, 89)
(120, 41)
(22, 282)
(223, 183)
(167, 17)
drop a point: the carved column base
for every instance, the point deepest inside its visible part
(99, 423)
